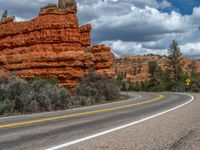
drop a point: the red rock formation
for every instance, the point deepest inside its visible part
(51, 45)
(104, 59)
(85, 35)
(135, 68)
(197, 66)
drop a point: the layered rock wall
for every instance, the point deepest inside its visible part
(104, 59)
(85, 35)
(51, 45)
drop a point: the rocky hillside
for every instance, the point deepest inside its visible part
(135, 68)
(51, 45)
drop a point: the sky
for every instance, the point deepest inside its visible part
(130, 27)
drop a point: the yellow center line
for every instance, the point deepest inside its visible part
(81, 114)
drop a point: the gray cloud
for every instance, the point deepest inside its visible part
(139, 25)
(25, 9)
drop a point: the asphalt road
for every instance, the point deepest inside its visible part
(81, 128)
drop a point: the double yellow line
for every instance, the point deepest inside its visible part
(81, 114)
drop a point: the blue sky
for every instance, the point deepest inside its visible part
(130, 27)
(185, 7)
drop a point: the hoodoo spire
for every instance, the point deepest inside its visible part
(67, 4)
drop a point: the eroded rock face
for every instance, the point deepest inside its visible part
(197, 66)
(135, 68)
(52, 45)
(104, 59)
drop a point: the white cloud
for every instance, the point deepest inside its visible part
(139, 25)
(121, 48)
(146, 30)
(196, 12)
(19, 19)
(191, 49)
(165, 4)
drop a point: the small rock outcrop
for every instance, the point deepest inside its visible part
(52, 45)
(6, 19)
(67, 4)
(5, 15)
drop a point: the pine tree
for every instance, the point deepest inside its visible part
(153, 73)
(174, 63)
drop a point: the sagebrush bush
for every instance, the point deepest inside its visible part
(98, 88)
(81, 101)
(43, 95)
(4, 106)
(38, 95)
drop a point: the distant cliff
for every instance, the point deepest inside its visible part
(135, 68)
(51, 45)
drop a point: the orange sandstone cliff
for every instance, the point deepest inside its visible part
(197, 66)
(51, 45)
(135, 68)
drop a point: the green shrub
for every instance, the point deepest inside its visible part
(81, 101)
(4, 107)
(17, 92)
(38, 95)
(98, 88)
(43, 95)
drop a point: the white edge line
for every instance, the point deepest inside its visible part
(121, 127)
(74, 109)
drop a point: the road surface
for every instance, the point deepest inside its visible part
(129, 124)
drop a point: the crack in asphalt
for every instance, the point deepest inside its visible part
(182, 141)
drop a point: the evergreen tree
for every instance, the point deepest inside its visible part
(174, 63)
(153, 72)
(166, 80)
(195, 83)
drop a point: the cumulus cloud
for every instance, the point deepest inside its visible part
(152, 26)
(122, 48)
(191, 49)
(138, 27)
(165, 4)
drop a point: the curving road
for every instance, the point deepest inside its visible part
(88, 128)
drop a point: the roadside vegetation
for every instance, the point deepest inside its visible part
(98, 88)
(18, 96)
(171, 79)
(38, 95)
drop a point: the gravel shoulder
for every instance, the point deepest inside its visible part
(177, 130)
